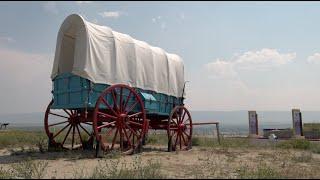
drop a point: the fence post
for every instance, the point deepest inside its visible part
(218, 133)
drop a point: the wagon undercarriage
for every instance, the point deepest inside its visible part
(118, 121)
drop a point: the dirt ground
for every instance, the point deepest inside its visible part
(200, 162)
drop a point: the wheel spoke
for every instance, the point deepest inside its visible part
(184, 140)
(106, 103)
(136, 114)
(58, 115)
(105, 125)
(130, 133)
(61, 131)
(72, 137)
(179, 118)
(184, 114)
(57, 123)
(120, 99)
(72, 112)
(187, 124)
(180, 141)
(131, 130)
(67, 112)
(175, 144)
(87, 123)
(114, 138)
(132, 106)
(84, 130)
(188, 119)
(107, 115)
(115, 100)
(185, 133)
(128, 139)
(135, 123)
(175, 121)
(125, 105)
(65, 138)
(79, 135)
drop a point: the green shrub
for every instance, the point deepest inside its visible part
(29, 169)
(113, 169)
(195, 141)
(295, 144)
(16, 138)
(315, 148)
(5, 174)
(303, 157)
(262, 172)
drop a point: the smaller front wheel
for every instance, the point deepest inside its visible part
(179, 129)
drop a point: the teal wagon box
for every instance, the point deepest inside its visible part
(74, 92)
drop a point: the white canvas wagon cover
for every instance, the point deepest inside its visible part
(104, 56)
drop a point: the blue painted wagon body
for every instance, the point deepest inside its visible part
(74, 92)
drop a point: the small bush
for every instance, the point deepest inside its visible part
(113, 169)
(295, 144)
(262, 172)
(29, 169)
(195, 141)
(303, 157)
(5, 174)
(315, 147)
(16, 138)
(159, 139)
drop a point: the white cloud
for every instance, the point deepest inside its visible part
(221, 69)
(51, 7)
(111, 14)
(83, 2)
(314, 59)
(263, 60)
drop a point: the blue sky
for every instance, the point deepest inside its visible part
(238, 55)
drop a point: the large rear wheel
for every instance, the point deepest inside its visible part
(119, 120)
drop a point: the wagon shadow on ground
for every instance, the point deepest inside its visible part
(18, 156)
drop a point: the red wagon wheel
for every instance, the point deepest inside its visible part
(179, 129)
(119, 120)
(67, 129)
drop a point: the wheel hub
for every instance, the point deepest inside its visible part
(74, 120)
(182, 127)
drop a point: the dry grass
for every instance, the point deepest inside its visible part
(234, 158)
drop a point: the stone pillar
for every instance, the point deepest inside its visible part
(297, 123)
(253, 124)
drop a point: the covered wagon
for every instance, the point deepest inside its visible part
(109, 89)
